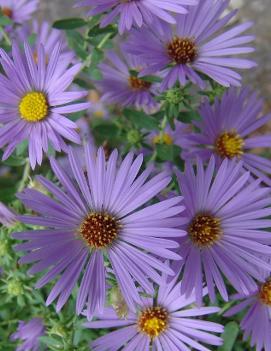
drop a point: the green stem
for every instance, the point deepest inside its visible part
(9, 322)
(104, 40)
(5, 36)
(25, 177)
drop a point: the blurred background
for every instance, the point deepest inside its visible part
(258, 11)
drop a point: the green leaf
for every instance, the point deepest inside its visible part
(230, 335)
(141, 120)
(51, 341)
(69, 23)
(14, 161)
(151, 79)
(106, 131)
(189, 116)
(168, 152)
(5, 21)
(97, 30)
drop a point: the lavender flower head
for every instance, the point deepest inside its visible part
(7, 217)
(121, 85)
(98, 109)
(166, 324)
(195, 46)
(169, 136)
(225, 132)
(29, 333)
(34, 101)
(256, 324)
(136, 12)
(100, 212)
(48, 37)
(225, 237)
(19, 10)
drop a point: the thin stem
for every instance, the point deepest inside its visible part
(5, 36)
(25, 177)
(104, 40)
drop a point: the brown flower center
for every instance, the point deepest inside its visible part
(153, 321)
(182, 50)
(138, 84)
(7, 11)
(99, 230)
(229, 145)
(265, 293)
(205, 230)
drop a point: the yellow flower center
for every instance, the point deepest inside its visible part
(98, 114)
(205, 230)
(34, 106)
(182, 50)
(153, 321)
(265, 293)
(99, 230)
(229, 145)
(164, 138)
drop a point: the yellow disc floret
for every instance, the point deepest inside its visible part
(164, 138)
(265, 293)
(34, 106)
(153, 321)
(229, 145)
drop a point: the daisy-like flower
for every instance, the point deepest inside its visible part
(99, 213)
(256, 324)
(19, 10)
(29, 333)
(32, 99)
(121, 85)
(47, 36)
(136, 12)
(168, 136)
(166, 323)
(7, 217)
(225, 132)
(195, 46)
(97, 109)
(227, 229)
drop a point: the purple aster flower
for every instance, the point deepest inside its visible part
(136, 12)
(32, 99)
(48, 37)
(7, 217)
(29, 333)
(19, 10)
(256, 324)
(120, 86)
(225, 132)
(97, 109)
(227, 229)
(166, 323)
(195, 45)
(169, 136)
(100, 214)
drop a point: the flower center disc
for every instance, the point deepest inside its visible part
(265, 293)
(34, 107)
(153, 321)
(138, 84)
(99, 230)
(229, 145)
(7, 11)
(182, 50)
(205, 230)
(162, 139)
